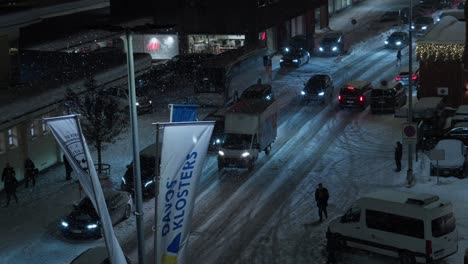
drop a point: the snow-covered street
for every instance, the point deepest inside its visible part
(268, 215)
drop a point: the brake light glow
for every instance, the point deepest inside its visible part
(339, 97)
(361, 98)
(428, 249)
(398, 79)
(414, 77)
(350, 87)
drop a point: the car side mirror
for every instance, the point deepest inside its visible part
(128, 166)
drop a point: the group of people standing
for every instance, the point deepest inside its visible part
(30, 173)
(11, 183)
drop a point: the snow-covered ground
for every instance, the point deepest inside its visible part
(269, 215)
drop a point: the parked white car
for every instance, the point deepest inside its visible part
(455, 159)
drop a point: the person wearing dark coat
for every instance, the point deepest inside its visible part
(398, 155)
(10, 183)
(68, 168)
(321, 197)
(29, 172)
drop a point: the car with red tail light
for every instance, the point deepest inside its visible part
(355, 94)
(403, 76)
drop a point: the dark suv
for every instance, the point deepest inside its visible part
(355, 94)
(332, 44)
(261, 92)
(147, 165)
(319, 88)
(387, 97)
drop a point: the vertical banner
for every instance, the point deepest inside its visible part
(183, 112)
(184, 147)
(67, 132)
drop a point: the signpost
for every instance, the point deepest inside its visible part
(437, 154)
(410, 133)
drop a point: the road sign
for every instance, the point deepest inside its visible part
(410, 133)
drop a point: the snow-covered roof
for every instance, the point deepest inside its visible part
(46, 90)
(449, 31)
(454, 153)
(444, 42)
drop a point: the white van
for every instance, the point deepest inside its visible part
(412, 226)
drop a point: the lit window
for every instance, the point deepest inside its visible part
(12, 137)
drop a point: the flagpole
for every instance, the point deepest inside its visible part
(136, 148)
(98, 209)
(156, 193)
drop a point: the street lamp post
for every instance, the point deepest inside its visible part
(409, 173)
(136, 146)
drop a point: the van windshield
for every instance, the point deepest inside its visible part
(443, 225)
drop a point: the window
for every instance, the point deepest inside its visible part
(443, 225)
(33, 129)
(12, 137)
(393, 223)
(44, 126)
(353, 215)
(2, 142)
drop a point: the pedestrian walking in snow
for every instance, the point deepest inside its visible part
(398, 56)
(10, 183)
(321, 198)
(68, 168)
(398, 155)
(29, 172)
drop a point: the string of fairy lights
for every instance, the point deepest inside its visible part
(440, 52)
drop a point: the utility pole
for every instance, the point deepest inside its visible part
(136, 146)
(409, 173)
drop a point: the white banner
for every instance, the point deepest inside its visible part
(67, 132)
(184, 148)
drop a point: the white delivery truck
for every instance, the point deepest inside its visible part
(250, 127)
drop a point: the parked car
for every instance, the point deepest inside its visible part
(258, 92)
(188, 63)
(390, 16)
(144, 104)
(84, 222)
(460, 115)
(355, 94)
(397, 40)
(147, 165)
(458, 131)
(295, 58)
(387, 97)
(319, 88)
(455, 159)
(332, 44)
(97, 255)
(422, 25)
(403, 76)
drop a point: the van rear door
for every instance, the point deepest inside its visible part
(444, 241)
